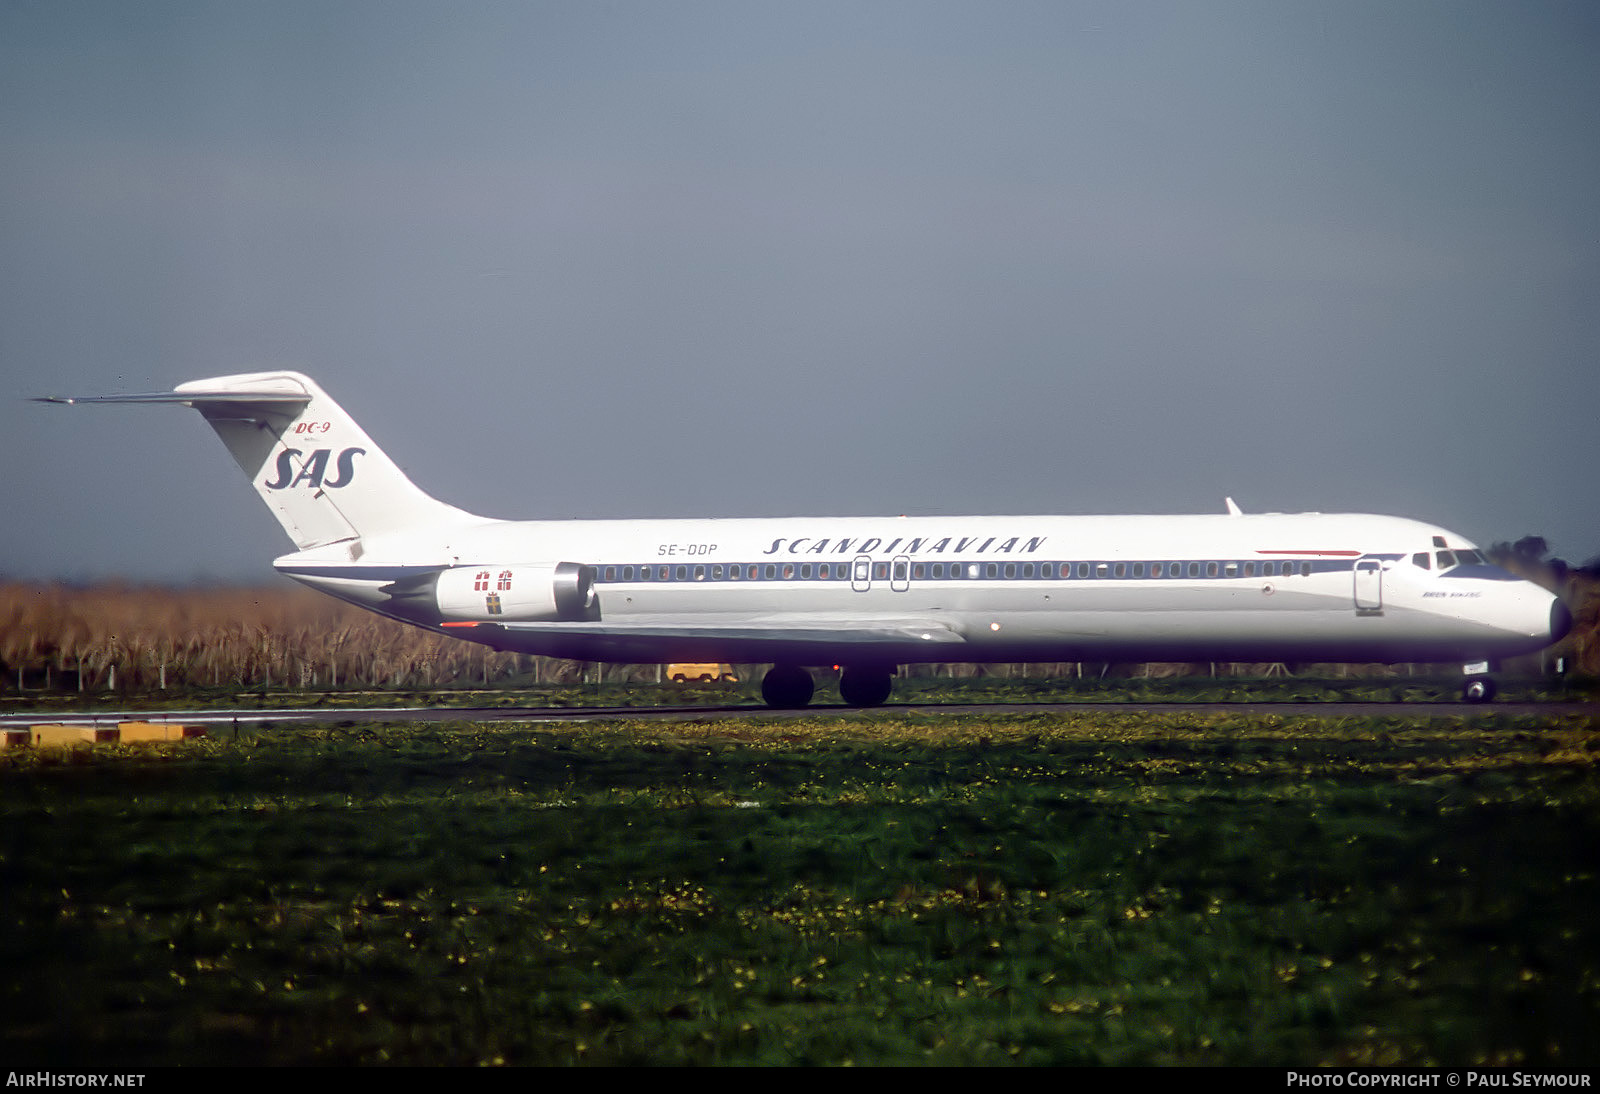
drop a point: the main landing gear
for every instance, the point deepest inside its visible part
(791, 687)
(865, 685)
(787, 686)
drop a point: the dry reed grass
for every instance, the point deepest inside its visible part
(138, 638)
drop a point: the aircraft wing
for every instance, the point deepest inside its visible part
(810, 639)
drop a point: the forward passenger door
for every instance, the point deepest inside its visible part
(1369, 586)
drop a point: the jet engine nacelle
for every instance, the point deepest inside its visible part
(538, 592)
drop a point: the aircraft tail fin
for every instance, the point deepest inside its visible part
(316, 469)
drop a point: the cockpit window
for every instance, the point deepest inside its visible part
(1421, 559)
(1464, 556)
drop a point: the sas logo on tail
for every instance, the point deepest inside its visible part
(312, 472)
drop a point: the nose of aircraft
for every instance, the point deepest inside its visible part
(1560, 620)
(1535, 614)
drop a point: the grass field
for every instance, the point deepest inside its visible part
(1116, 887)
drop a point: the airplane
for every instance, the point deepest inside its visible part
(867, 594)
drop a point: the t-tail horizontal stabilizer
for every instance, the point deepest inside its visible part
(317, 470)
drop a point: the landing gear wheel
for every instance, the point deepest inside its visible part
(1478, 689)
(865, 687)
(787, 687)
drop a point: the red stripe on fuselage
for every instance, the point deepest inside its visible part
(1342, 554)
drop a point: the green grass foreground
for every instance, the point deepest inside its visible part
(1114, 888)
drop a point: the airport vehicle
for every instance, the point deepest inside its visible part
(867, 594)
(708, 673)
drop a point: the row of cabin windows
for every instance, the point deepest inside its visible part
(949, 571)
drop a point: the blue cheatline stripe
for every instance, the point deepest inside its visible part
(923, 571)
(1482, 573)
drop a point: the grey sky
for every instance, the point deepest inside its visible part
(592, 259)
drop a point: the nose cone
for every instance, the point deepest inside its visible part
(1560, 620)
(1529, 617)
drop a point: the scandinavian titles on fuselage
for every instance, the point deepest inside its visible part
(917, 545)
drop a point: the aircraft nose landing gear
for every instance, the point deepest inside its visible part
(1478, 687)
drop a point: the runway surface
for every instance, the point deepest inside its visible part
(713, 714)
